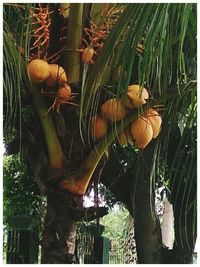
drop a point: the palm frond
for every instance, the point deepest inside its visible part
(177, 153)
(15, 39)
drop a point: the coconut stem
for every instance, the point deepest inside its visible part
(74, 35)
(56, 156)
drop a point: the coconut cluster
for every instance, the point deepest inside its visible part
(52, 74)
(146, 127)
(141, 131)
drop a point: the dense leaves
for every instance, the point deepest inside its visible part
(21, 195)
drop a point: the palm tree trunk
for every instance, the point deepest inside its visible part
(147, 227)
(59, 236)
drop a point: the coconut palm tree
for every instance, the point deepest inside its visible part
(102, 48)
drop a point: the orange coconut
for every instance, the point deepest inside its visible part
(98, 127)
(137, 96)
(57, 75)
(38, 70)
(125, 137)
(113, 110)
(155, 121)
(141, 131)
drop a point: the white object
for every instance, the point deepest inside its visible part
(167, 227)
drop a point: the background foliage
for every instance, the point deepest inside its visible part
(21, 194)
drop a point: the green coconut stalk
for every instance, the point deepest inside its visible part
(56, 156)
(74, 36)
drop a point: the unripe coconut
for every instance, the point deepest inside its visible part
(125, 137)
(141, 132)
(98, 127)
(113, 110)
(137, 96)
(38, 70)
(57, 75)
(155, 121)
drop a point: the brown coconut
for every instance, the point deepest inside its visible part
(113, 110)
(57, 75)
(125, 137)
(38, 70)
(141, 131)
(98, 127)
(136, 96)
(155, 121)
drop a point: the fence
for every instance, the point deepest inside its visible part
(85, 244)
(117, 251)
(97, 249)
(20, 246)
(21, 242)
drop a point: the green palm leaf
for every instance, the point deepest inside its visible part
(16, 26)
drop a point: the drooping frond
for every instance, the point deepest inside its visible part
(175, 156)
(16, 44)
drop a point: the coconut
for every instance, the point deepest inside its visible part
(98, 127)
(125, 137)
(113, 110)
(141, 131)
(57, 75)
(155, 121)
(137, 96)
(38, 70)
